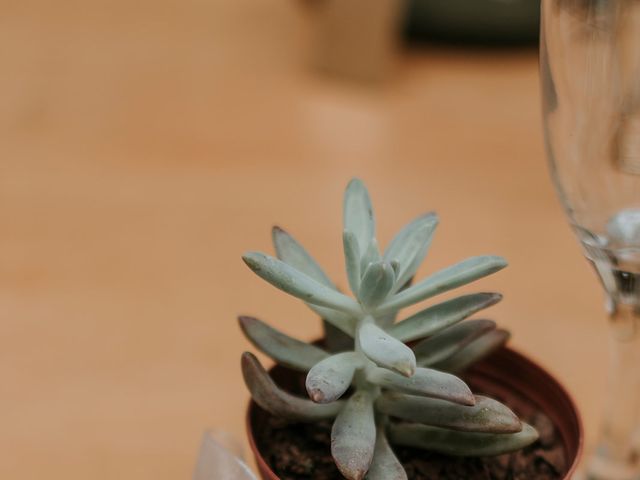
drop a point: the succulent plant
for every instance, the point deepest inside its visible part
(398, 394)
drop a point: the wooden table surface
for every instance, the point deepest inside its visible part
(144, 146)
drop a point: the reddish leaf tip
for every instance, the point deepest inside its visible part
(246, 320)
(316, 395)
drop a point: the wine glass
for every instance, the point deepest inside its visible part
(590, 73)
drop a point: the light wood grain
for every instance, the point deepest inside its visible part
(145, 145)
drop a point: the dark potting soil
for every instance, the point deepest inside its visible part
(297, 451)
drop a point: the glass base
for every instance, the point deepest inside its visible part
(600, 467)
(220, 458)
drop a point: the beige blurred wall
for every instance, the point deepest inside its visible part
(144, 146)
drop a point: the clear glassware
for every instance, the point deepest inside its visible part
(220, 458)
(590, 73)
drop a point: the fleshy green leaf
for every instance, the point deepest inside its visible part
(282, 348)
(451, 442)
(425, 382)
(410, 245)
(486, 416)
(386, 351)
(267, 394)
(450, 340)
(440, 316)
(370, 255)
(296, 283)
(358, 214)
(474, 352)
(329, 379)
(353, 436)
(377, 282)
(387, 319)
(396, 267)
(352, 260)
(444, 280)
(340, 320)
(385, 465)
(292, 253)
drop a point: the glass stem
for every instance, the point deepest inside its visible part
(617, 452)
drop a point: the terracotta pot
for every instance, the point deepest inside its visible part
(505, 374)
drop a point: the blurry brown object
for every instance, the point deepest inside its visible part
(356, 38)
(484, 22)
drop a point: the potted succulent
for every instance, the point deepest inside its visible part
(394, 400)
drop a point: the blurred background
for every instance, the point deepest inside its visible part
(144, 146)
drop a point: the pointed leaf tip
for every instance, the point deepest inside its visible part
(270, 397)
(406, 369)
(282, 348)
(474, 351)
(386, 351)
(410, 246)
(296, 283)
(353, 436)
(358, 213)
(376, 284)
(442, 315)
(451, 277)
(291, 252)
(250, 259)
(450, 340)
(352, 260)
(500, 262)
(486, 416)
(452, 442)
(425, 382)
(329, 379)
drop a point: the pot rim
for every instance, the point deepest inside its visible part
(568, 399)
(263, 467)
